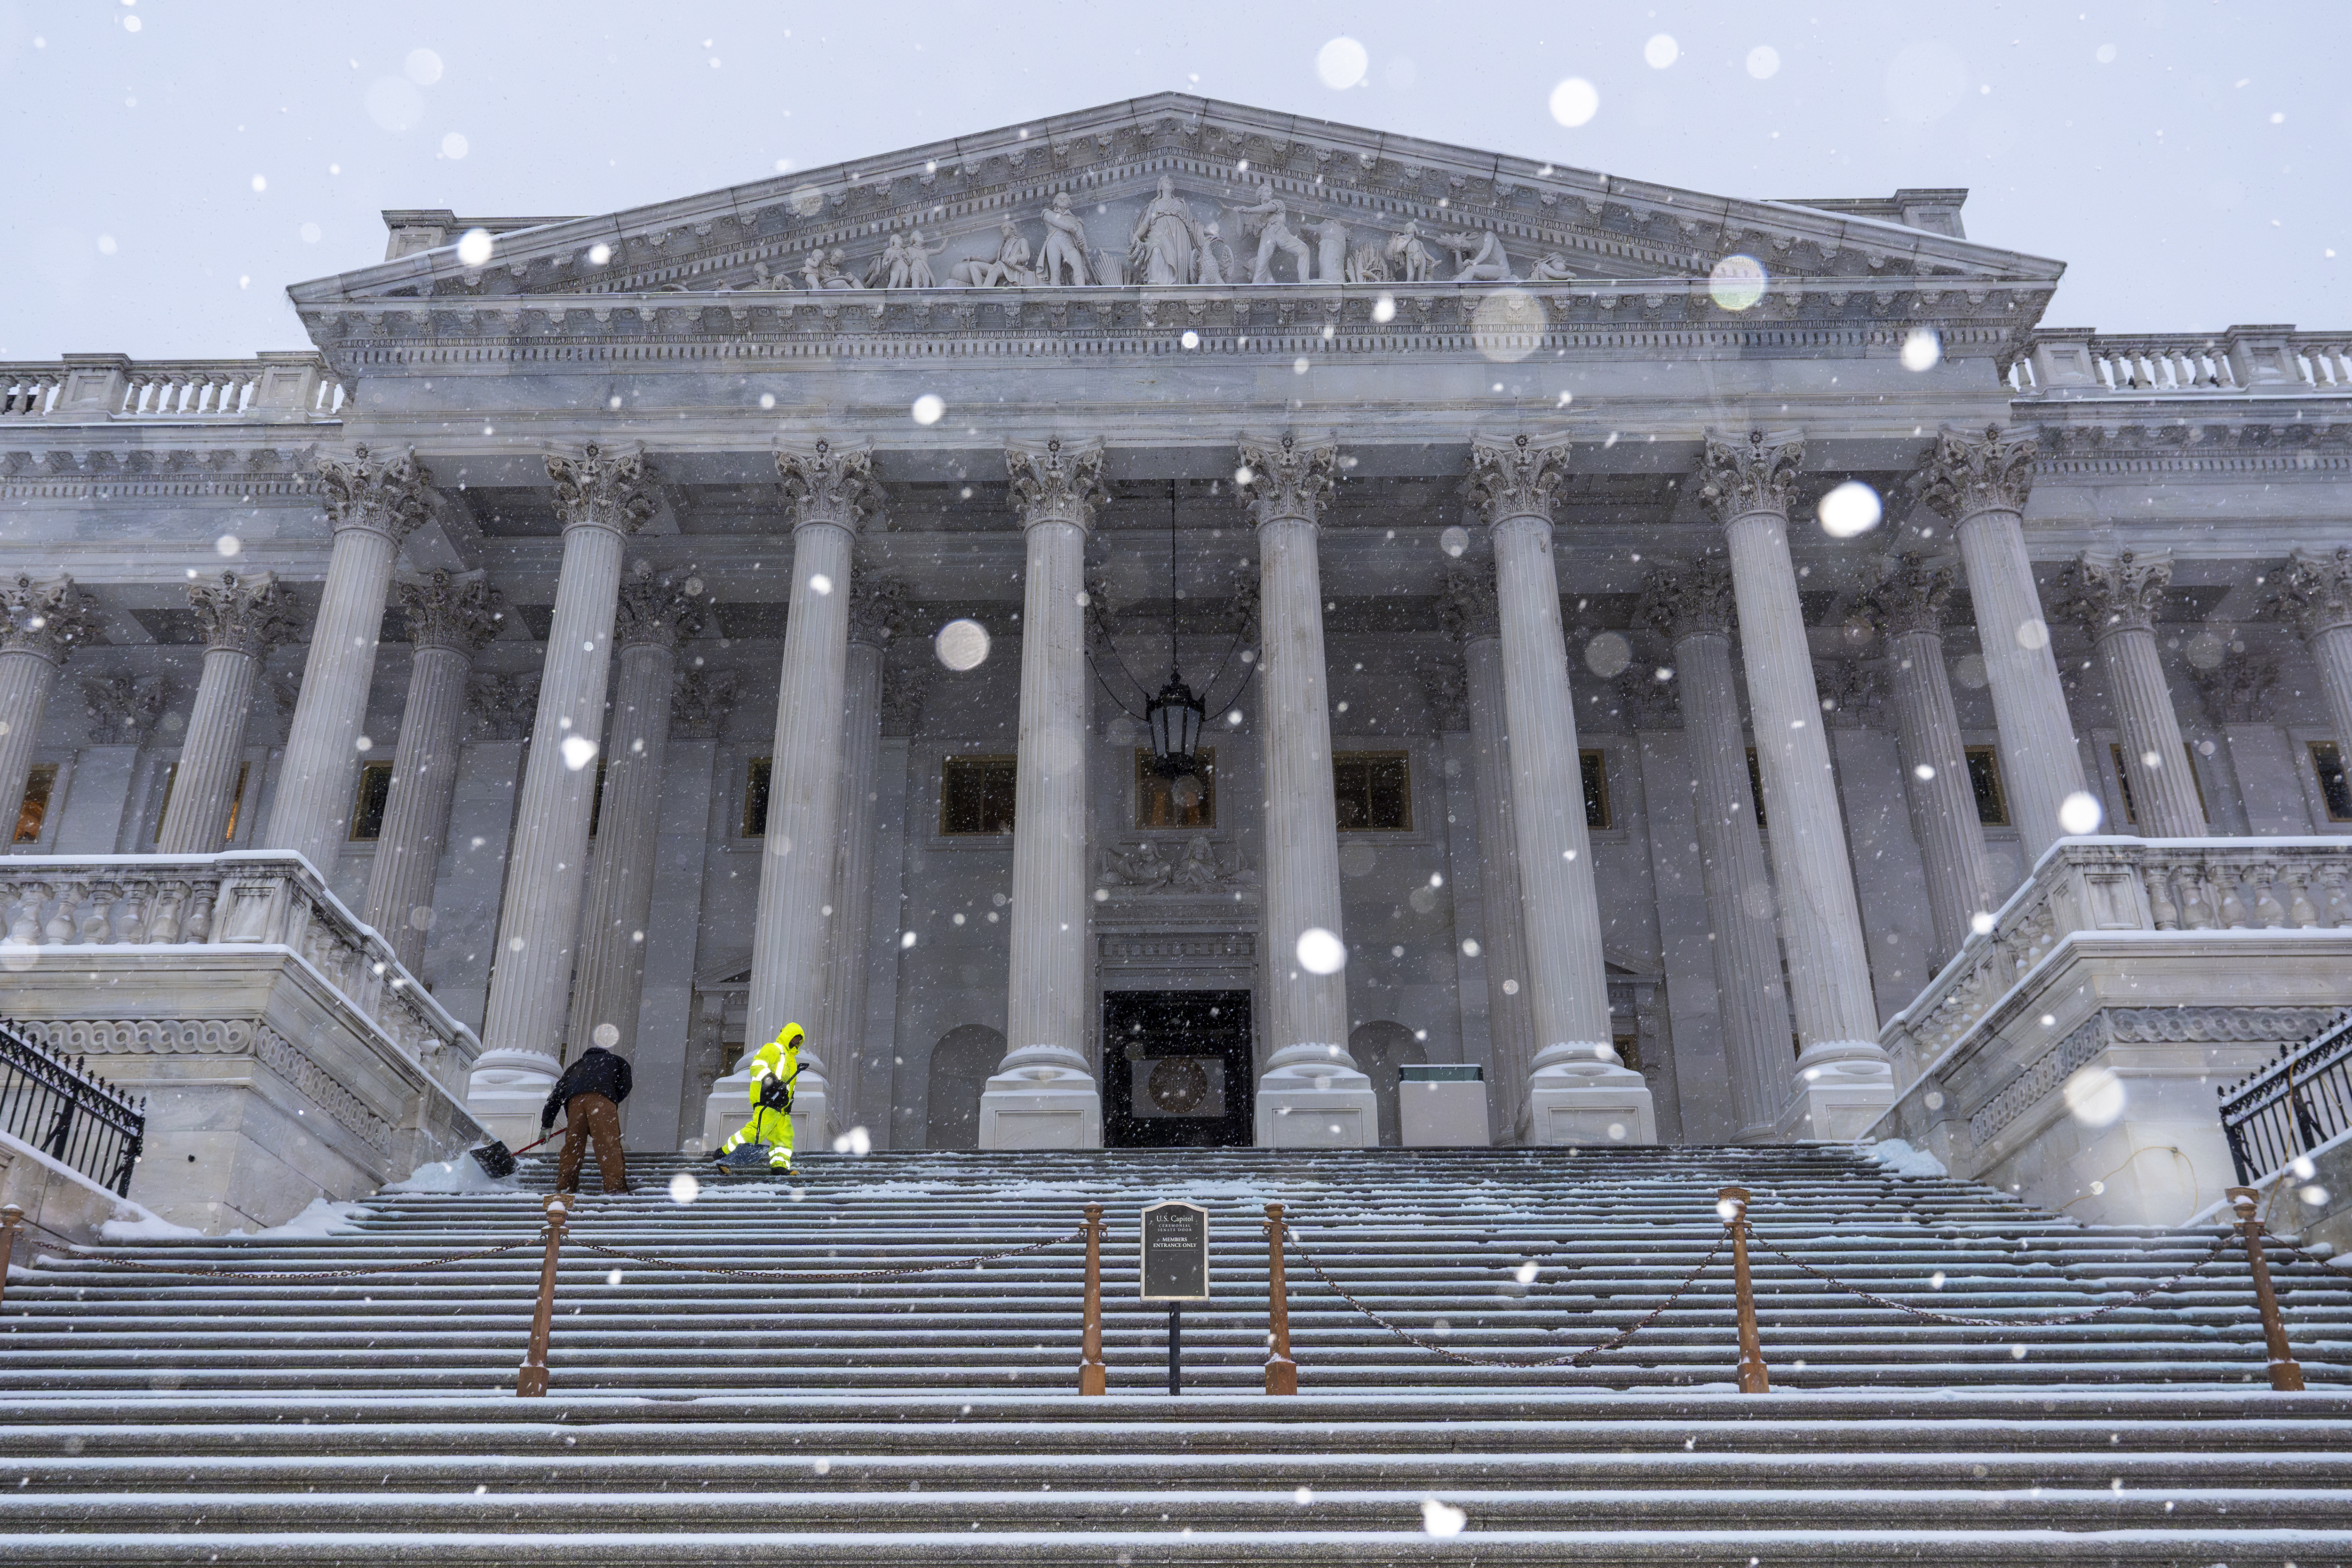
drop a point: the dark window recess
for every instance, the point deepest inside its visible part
(1155, 803)
(2122, 781)
(2328, 762)
(1756, 787)
(1593, 764)
(596, 802)
(368, 801)
(976, 795)
(33, 809)
(1375, 791)
(1984, 783)
(755, 799)
(1629, 1050)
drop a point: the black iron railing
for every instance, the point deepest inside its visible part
(2292, 1105)
(67, 1113)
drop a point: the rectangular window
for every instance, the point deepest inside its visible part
(976, 797)
(1593, 764)
(755, 799)
(2328, 762)
(235, 799)
(597, 801)
(368, 801)
(1375, 791)
(1756, 787)
(1984, 783)
(33, 809)
(2123, 780)
(1156, 805)
(1629, 1050)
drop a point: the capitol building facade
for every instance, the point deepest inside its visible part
(1177, 624)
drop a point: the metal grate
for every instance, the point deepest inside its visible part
(61, 1108)
(2291, 1106)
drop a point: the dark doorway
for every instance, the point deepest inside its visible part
(1178, 1069)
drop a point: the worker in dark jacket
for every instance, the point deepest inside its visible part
(589, 1094)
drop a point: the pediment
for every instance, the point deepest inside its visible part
(1358, 188)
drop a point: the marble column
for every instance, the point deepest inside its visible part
(40, 624)
(2317, 597)
(1981, 485)
(602, 498)
(242, 619)
(374, 503)
(1471, 612)
(833, 492)
(1842, 1080)
(1908, 604)
(1692, 607)
(875, 613)
(1043, 1094)
(449, 619)
(1578, 1092)
(653, 612)
(2115, 598)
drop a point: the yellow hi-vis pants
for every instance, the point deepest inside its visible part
(773, 1127)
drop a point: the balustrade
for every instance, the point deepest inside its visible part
(188, 391)
(2191, 364)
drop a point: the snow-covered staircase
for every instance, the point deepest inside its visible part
(692, 1417)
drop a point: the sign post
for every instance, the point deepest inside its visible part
(1175, 1251)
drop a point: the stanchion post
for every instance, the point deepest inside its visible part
(1281, 1371)
(1732, 1204)
(12, 1219)
(2286, 1376)
(531, 1383)
(1093, 1377)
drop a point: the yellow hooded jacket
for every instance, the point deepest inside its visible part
(779, 1060)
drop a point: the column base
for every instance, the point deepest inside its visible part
(1843, 1087)
(506, 1093)
(1316, 1102)
(729, 1106)
(1582, 1094)
(1042, 1096)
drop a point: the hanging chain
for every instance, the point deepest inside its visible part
(328, 1274)
(2218, 1247)
(832, 1279)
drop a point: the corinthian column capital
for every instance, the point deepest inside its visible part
(1736, 478)
(391, 496)
(43, 618)
(877, 610)
(657, 609)
(1964, 474)
(1910, 595)
(460, 612)
(2318, 593)
(829, 484)
(2114, 593)
(1467, 608)
(1688, 601)
(602, 489)
(1288, 478)
(248, 614)
(1055, 481)
(1516, 478)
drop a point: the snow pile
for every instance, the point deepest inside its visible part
(462, 1175)
(1898, 1158)
(141, 1226)
(323, 1218)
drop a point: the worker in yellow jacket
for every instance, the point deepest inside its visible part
(774, 1068)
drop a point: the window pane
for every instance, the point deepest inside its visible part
(976, 795)
(367, 802)
(1373, 792)
(2329, 764)
(1984, 783)
(755, 799)
(33, 809)
(1155, 804)
(1594, 764)
(1756, 787)
(236, 800)
(2123, 782)
(597, 801)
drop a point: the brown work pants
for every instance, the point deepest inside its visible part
(592, 1116)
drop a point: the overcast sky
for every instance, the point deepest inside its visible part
(174, 165)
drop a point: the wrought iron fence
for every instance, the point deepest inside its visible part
(2291, 1106)
(70, 1113)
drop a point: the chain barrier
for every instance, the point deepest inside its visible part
(2218, 1247)
(330, 1274)
(1572, 1358)
(762, 1274)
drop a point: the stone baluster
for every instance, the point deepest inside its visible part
(2300, 913)
(1842, 1077)
(2317, 597)
(1692, 607)
(1908, 604)
(1579, 1092)
(833, 492)
(40, 622)
(1044, 1092)
(2116, 597)
(24, 923)
(2233, 908)
(62, 925)
(877, 611)
(372, 504)
(2158, 875)
(2262, 876)
(655, 613)
(1471, 611)
(96, 924)
(449, 619)
(2336, 906)
(1981, 485)
(2195, 900)
(243, 618)
(602, 498)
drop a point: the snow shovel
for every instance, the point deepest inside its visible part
(497, 1160)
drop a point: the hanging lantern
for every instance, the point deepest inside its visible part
(1175, 717)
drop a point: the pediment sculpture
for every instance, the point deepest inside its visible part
(1141, 868)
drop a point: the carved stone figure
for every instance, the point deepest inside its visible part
(919, 259)
(1198, 872)
(1009, 265)
(1407, 249)
(1066, 244)
(1552, 268)
(1166, 239)
(1331, 250)
(1368, 263)
(1140, 867)
(1274, 234)
(1216, 258)
(827, 270)
(1483, 257)
(895, 272)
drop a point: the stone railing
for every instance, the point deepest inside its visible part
(2120, 885)
(274, 388)
(236, 898)
(2241, 359)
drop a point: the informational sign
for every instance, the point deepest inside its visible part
(1175, 1252)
